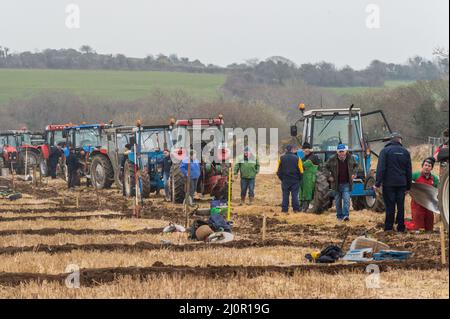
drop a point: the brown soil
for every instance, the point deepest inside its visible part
(93, 277)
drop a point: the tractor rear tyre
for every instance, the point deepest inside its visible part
(32, 158)
(443, 196)
(358, 203)
(322, 200)
(177, 184)
(102, 172)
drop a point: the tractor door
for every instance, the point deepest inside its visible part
(376, 130)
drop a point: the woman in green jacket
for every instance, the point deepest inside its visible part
(308, 183)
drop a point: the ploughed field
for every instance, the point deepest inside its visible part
(44, 235)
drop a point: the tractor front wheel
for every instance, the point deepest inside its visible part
(129, 183)
(177, 184)
(375, 204)
(322, 200)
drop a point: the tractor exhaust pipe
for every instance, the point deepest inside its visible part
(350, 127)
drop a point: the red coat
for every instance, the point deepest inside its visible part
(422, 217)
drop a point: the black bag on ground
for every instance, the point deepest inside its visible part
(218, 223)
(330, 255)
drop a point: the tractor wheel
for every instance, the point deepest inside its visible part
(443, 196)
(102, 172)
(2, 164)
(33, 160)
(177, 184)
(128, 180)
(43, 168)
(322, 200)
(358, 203)
(146, 184)
(374, 204)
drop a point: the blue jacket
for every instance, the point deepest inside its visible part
(394, 166)
(195, 168)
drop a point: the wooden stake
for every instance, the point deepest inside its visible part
(443, 248)
(264, 223)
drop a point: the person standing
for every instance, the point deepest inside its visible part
(248, 166)
(422, 217)
(124, 160)
(343, 168)
(394, 175)
(73, 165)
(167, 165)
(53, 158)
(195, 173)
(308, 183)
(290, 173)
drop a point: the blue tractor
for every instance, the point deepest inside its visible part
(364, 133)
(144, 167)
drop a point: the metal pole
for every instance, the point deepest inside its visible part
(188, 191)
(230, 172)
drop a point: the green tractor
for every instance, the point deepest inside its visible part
(364, 133)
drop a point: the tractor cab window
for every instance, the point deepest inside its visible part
(155, 140)
(3, 141)
(58, 138)
(329, 130)
(122, 140)
(87, 137)
(25, 139)
(183, 136)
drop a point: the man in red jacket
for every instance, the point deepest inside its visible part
(422, 217)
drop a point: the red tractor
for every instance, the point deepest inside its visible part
(214, 169)
(19, 150)
(53, 136)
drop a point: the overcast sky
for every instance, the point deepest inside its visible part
(226, 31)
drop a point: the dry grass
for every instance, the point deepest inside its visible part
(61, 239)
(55, 264)
(394, 284)
(129, 224)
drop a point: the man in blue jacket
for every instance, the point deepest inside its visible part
(394, 174)
(290, 173)
(194, 174)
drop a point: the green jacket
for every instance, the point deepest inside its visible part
(248, 169)
(308, 182)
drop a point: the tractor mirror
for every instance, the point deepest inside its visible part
(294, 132)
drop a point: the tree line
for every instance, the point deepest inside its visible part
(273, 71)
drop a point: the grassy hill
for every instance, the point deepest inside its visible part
(361, 89)
(123, 85)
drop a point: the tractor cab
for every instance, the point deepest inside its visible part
(207, 138)
(363, 133)
(8, 149)
(198, 134)
(146, 157)
(84, 137)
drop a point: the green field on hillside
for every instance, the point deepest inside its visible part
(361, 89)
(124, 85)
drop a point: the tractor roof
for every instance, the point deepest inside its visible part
(86, 126)
(329, 111)
(57, 127)
(202, 122)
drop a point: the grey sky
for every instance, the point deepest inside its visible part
(226, 31)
